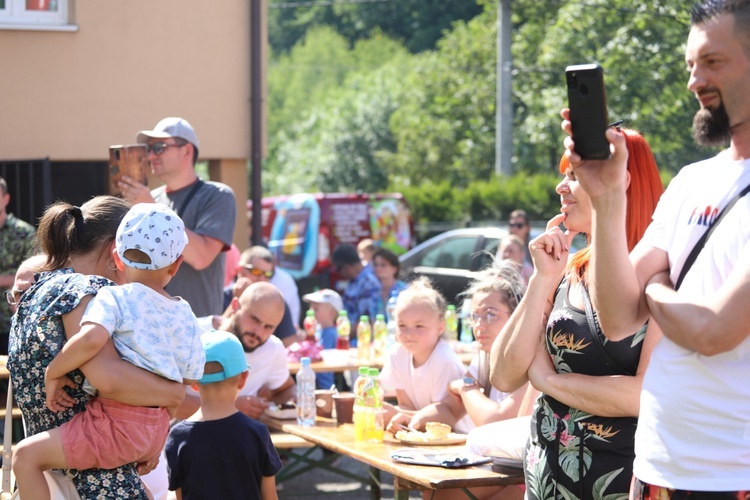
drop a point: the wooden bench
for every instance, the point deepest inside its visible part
(299, 462)
(284, 441)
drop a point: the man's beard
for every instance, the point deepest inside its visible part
(711, 127)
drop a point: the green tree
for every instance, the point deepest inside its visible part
(376, 115)
(641, 49)
(418, 24)
(445, 126)
(335, 141)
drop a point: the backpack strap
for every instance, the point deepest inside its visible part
(198, 184)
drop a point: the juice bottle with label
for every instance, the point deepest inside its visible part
(310, 325)
(380, 335)
(343, 328)
(451, 323)
(364, 339)
(374, 427)
(360, 410)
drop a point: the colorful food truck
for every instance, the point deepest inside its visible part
(303, 229)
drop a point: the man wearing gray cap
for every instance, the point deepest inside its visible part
(207, 208)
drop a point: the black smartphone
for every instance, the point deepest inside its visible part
(587, 101)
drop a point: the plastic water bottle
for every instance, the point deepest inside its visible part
(360, 411)
(390, 307)
(305, 394)
(364, 339)
(466, 336)
(310, 325)
(373, 403)
(344, 329)
(380, 334)
(391, 320)
(451, 323)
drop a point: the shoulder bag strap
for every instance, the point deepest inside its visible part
(596, 333)
(702, 242)
(7, 442)
(190, 195)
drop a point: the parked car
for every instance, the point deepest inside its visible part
(451, 259)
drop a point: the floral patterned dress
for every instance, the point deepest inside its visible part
(37, 335)
(572, 454)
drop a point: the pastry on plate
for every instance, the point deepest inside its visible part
(437, 430)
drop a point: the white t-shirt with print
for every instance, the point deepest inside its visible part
(694, 426)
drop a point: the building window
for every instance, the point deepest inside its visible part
(35, 14)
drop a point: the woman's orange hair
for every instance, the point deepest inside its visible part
(642, 195)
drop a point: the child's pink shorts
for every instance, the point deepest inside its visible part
(109, 434)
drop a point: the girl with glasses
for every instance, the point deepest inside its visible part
(471, 400)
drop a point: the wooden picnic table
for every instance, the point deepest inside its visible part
(340, 439)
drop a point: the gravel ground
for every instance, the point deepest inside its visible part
(320, 484)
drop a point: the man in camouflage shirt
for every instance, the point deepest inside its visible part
(16, 242)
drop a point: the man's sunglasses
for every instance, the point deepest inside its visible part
(517, 225)
(257, 272)
(159, 147)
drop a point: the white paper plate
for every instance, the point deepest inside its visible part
(286, 414)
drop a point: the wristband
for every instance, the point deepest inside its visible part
(470, 383)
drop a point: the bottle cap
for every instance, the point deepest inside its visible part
(373, 372)
(310, 312)
(380, 317)
(305, 361)
(451, 307)
(364, 370)
(364, 317)
(343, 312)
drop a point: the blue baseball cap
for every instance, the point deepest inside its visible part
(223, 348)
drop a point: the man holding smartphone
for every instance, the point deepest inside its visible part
(207, 208)
(694, 426)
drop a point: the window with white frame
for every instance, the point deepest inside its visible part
(34, 14)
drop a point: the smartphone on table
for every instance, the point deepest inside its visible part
(130, 160)
(587, 101)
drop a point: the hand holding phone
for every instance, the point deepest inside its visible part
(129, 160)
(588, 110)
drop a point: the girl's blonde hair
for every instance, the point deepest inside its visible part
(420, 291)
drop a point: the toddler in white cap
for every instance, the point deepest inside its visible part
(149, 328)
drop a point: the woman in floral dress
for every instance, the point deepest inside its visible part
(583, 426)
(78, 243)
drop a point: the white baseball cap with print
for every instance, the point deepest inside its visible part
(155, 230)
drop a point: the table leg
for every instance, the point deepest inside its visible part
(374, 483)
(399, 494)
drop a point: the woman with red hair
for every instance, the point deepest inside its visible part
(583, 426)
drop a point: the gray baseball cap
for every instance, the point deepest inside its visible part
(170, 127)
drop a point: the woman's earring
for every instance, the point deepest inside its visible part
(111, 265)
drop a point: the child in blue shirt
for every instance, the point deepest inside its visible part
(326, 303)
(220, 452)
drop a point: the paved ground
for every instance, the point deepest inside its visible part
(321, 484)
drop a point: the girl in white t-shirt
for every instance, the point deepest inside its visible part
(421, 364)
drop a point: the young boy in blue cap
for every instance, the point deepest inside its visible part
(219, 452)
